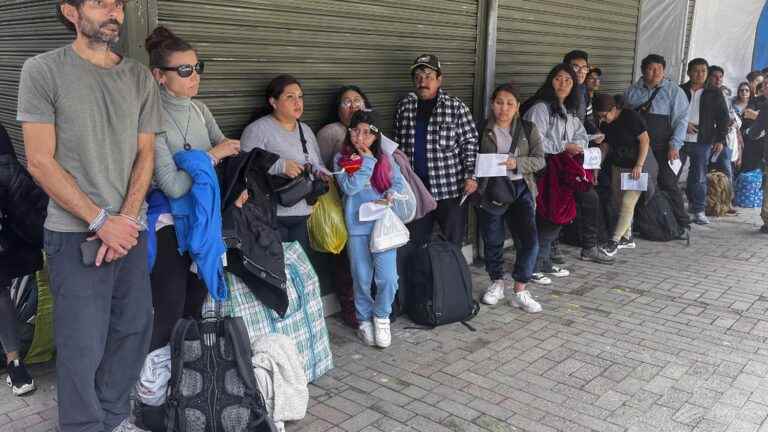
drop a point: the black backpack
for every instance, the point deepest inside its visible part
(212, 386)
(439, 286)
(655, 220)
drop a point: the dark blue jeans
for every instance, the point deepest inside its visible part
(521, 220)
(723, 163)
(696, 189)
(103, 321)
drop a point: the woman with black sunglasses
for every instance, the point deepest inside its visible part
(187, 124)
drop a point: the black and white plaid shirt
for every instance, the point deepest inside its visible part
(452, 142)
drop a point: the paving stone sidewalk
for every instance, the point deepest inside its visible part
(670, 338)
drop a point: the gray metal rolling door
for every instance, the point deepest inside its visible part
(324, 43)
(27, 28)
(688, 32)
(533, 36)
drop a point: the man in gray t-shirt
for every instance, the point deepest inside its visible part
(89, 119)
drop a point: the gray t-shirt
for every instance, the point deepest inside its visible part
(266, 133)
(504, 145)
(98, 114)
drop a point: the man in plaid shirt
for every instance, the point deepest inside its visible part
(438, 134)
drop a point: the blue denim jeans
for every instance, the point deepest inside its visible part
(367, 266)
(696, 189)
(520, 217)
(723, 163)
(548, 233)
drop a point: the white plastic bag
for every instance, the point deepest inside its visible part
(404, 205)
(389, 232)
(152, 386)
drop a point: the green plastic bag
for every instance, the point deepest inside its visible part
(326, 225)
(42, 348)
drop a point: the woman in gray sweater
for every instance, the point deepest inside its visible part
(187, 124)
(278, 132)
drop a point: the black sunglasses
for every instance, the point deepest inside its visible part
(185, 70)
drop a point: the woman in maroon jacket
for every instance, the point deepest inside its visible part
(563, 137)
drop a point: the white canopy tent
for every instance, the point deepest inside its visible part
(661, 30)
(723, 32)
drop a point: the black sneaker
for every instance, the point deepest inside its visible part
(626, 243)
(764, 229)
(610, 248)
(596, 255)
(19, 379)
(556, 256)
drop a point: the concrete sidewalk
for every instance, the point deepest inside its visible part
(670, 338)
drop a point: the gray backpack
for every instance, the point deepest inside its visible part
(212, 386)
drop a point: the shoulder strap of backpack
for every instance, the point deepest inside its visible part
(178, 336)
(238, 338)
(473, 314)
(237, 334)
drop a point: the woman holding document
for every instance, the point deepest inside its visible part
(563, 137)
(511, 197)
(630, 159)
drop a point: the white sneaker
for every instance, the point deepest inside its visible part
(365, 333)
(557, 272)
(525, 301)
(382, 334)
(127, 426)
(540, 279)
(494, 293)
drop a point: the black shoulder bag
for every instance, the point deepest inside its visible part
(289, 191)
(500, 191)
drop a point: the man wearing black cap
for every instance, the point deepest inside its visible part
(438, 134)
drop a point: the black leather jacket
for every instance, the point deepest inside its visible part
(254, 247)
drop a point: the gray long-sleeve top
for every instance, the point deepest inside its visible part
(184, 121)
(555, 130)
(267, 134)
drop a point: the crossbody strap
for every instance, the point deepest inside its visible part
(646, 107)
(303, 142)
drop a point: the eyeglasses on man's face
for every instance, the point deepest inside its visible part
(107, 5)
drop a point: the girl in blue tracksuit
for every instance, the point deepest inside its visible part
(370, 175)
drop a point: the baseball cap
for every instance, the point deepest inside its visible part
(427, 60)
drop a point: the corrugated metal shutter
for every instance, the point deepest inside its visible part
(533, 36)
(27, 28)
(688, 32)
(325, 44)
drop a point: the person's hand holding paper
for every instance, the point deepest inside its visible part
(630, 184)
(491, 165)
(593, 158)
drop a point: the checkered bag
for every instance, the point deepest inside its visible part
(304, 322)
